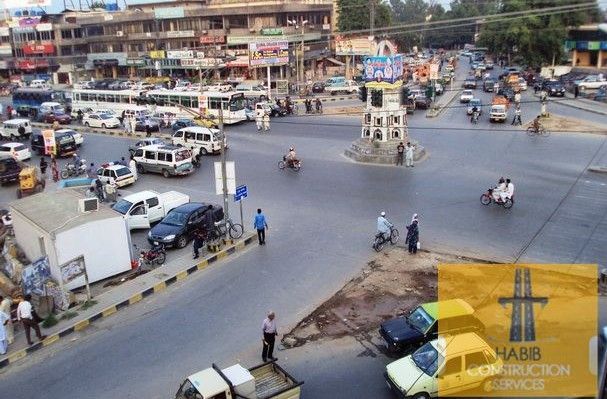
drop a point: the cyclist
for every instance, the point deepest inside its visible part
(536, 124)
(383, 226)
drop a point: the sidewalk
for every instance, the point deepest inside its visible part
(580, 103)
(117, 298)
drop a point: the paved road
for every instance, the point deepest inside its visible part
(321, 221)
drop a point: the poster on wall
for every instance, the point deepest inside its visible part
(72, 269)
(35, 275)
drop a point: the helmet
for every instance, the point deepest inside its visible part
(383, 213)
(291, 149)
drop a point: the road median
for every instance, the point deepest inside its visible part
(120, 297)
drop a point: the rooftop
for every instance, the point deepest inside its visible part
(58, 211)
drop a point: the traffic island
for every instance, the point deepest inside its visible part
(375, 152)
(118, 298)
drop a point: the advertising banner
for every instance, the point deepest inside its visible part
(211, 39)
(354, 46)
(45, 27)
(45, 48)
(6, 49)
(35, 275)
(379, 69)
(268, 54)
(169, 12)
(157, 54)
(180, 33)
(178, 54)
(72, 270)
(49, 141)
(201, 62)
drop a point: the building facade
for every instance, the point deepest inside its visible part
(587, 46)
(179, 38)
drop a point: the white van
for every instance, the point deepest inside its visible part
(169, 160)
(10, 129)
(38, 84)
(136, 111)
(51, 106)
(201, 140)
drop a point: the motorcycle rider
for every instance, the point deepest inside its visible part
(288, 105)
(509, 189)
(383, 225)
(474, 117)
(500, 190)
(291, 157)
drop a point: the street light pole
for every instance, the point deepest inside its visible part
(302, 52)
(224, 177)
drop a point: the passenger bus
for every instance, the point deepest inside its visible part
(27, 100)
(182, 104)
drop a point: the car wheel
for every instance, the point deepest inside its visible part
(103, 125)
(87, 124)
(140, 169)
(421, 395)
(181, 242)
(166, 173)
(203, 151)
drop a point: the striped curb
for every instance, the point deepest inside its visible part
(133, 299)
(116, 132)
(325, 99)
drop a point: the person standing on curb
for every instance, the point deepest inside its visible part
(260, 225)
(5, 307)
(400, 152)
(412, 235)
(268, 328)
(198, 243)
(25, 314)
(409, 154)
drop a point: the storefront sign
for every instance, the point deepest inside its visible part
(169, 12)
(135, 62)
(104, 63)
(45, 27)
(594, 45)
(29, 21)
(603, 45)
(240, 61)
(157, 54)
(179, 54)
(383, 68)
(354, 46)
(289, 38)
(6, 50)
(3, 65)
(201, 62)
(271, 31)
(180, 33)
(212, 39)
(45, 48)
(268, 54)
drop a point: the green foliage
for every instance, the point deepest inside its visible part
(50, 321)
(355, 15)
(88, 304)
(68, 315)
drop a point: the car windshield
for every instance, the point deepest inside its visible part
(475, 102)
(122, 206)
(66, 139)
(105, 116)
(467, 92)
(122, 171)
(420, 320)
(427, 359)
(175, 218)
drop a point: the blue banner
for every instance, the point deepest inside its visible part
(383, 68)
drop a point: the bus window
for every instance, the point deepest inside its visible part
(100, 98)
(109, 98)
(186, 101)
(174, 99)
(214, 102)
(84, 96)
(194, 102)
(236, 104)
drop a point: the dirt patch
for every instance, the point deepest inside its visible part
(557, 123)
(390, 285)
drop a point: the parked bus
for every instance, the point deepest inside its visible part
(27, 100)
(181, 104)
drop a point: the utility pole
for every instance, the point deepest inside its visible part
(302, 74)
(372, 17)
(224, 177)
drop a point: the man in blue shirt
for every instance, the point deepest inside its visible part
(260, 224)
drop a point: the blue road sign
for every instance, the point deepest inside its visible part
(241, 192)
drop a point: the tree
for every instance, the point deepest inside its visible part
(355, 15)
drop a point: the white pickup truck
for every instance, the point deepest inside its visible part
(347, 87)
(266, 381)
(146, 207)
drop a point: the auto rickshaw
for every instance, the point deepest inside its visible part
(206, 121)
(29, 182)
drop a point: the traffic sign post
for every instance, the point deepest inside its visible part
(241, 193)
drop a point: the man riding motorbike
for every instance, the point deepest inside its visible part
(383, 226)
(291, 157)
(474, 117)
(500, 190)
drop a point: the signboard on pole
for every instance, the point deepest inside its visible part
(72, 270)
(434, 71)
(241, 192)
(268, 54)
(383, 68)
(230, 176)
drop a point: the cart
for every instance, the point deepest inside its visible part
(29, 182)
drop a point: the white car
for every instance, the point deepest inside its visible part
(115, 173)
(466, 96)
(15, 150)
(77, 136)
(104, 121)
(591, 82)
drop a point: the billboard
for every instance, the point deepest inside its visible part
(26, 3)
(178, 54)
(169, 12)
(268, 53)
(379, 69)
(354, 46)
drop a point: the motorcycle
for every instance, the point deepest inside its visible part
(295, 165)
(71, 170)
(487, 198)
(474, 118)
(278, 110)
(380, 240)
(155, 255)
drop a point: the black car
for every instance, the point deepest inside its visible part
(488, 85)
(318, 87)
(554, 88)
(181, 123)
(9, 170)
(506, 92)
(422, 102)
(178, 226)
(404, 334)
(142, 124)
(470, 83)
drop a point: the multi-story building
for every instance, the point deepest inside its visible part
(174, 37)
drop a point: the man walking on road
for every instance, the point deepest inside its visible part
(517, 116)
(269, 335)
(25, 314)
(409, 154)
(400, 152)
(260, 225)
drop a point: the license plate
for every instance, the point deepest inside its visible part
(155, 242)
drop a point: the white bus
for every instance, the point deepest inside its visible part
(207, 102)
(162, 101)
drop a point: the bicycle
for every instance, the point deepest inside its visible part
(380, 240)
(235, 230)
(541, 131)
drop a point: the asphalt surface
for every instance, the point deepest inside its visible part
(321, 224)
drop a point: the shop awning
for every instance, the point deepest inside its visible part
(334, 61)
